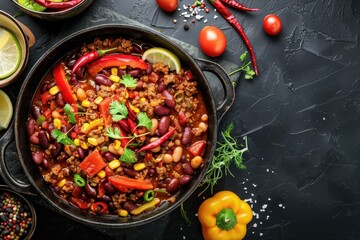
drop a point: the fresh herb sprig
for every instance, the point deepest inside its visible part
(226, 152)
(70, 113)
(249, 73)
(62, 137)
(129, 156)
(128, 81)
(118, 111)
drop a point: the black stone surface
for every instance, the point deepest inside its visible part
(301, 116)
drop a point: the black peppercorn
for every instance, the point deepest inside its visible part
(186, 27)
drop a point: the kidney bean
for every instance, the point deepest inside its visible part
(130, 172)
(50, 85)
(161, 87)
(162, 111)
(43, 139)
(121, 72)
(182, 118)
(34, 138)
(45, 163)
(184, 179)
(59, 100)
(106, 198)
(80, 73)
(130, 206)
(36, 111)
(43, 87)
(151, 171)
(102, 80)
(164, 124)
(173, 185)
(73, 80)
(30, 126)
(109, 188)
(81, 152)
(58, 149)
(106, 72)
(77, 191)
(50, 128)
(149, 68)
(134, 72)
(187, 168)
(109, 156)
(91, 192)
(163, 183)
(186, 136)
(169, 99)
(38, 157)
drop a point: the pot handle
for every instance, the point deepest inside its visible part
(225, 104)
(10, 180)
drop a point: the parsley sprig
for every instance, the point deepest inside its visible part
(249, 73)
(61, 137)
(118, 111)
(129, 156)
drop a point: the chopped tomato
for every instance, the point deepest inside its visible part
(92, 164)
(197, 148)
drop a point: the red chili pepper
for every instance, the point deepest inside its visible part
(62, 83)
(235, 4)
(92, 164)
(158, 142)
(124, 141)
(90, 57)
(99, 207)
(45, 97)
(101, 189)
(116, 60)
(131, 113)
(104, 111)
(121, 182)
(80, 203)
(58, 5)
(124, 125)
(132, 126)
(236, 25)
(197, 148)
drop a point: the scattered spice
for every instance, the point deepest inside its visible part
(15, 216)
(186, 27)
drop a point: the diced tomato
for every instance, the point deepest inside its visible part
(45, 97)
(197, 148)
(93, 163)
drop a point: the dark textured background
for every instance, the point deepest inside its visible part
(301, 116)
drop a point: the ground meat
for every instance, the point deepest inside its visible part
(118, 199)
(161, 171)
(171, 78)
(56, 169)
(122, 45)
(160, 67)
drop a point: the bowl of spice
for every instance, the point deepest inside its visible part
(17, 215)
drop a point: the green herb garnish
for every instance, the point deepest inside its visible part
(128, 81)
(70, 113)
(225, 153)
(113, 133)
(128, 156)
(118, 111)
(249, 73)
(184, 215)
(61, 137)
(144, 120)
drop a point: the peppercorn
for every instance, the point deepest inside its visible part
(15, 217)
(186, 27)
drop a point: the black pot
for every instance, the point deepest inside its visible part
(52, 56)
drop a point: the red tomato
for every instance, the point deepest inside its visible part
(272, 24)
(168, 5)
(212, 41)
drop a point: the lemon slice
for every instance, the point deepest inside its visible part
(162, 55)
(6, 110)
(10, 53)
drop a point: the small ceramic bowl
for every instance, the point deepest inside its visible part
(21, 209)
(55, 15)
(26, 39)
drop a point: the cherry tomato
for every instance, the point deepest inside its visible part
(168, 5)
(212, 41)
(272, 24)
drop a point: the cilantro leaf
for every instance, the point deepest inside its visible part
(243, 56)
(129, 156)
(70, 113)
(118, 111)
(128, 81)
(61, 137)
(249, 73)
(113, 133)
(144, 120)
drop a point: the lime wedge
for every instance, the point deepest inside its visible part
(10, 53)
(162, 55)
(6, 110)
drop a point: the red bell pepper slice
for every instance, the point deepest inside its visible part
(92, 164)
(99, 207)
(116, 60)
(62, 83)
(121, 182)
(80, 203)
(197, 148)
(45, 97)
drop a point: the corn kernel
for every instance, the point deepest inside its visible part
(77, 141)
(117, 145)
(98, 100)
(123, 213)
(135, 109)
(54, 90)
(57, 123)
(61, 183)
(83, 145)
(123, 67)
(142, 99)
(114, 71)
(85, 127)
(114, 78)
(85, 103)
(139, 166)
(93, 141)
(101, 174)
(114, 164)
(126, 95)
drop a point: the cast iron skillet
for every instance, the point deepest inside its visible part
(45, 63)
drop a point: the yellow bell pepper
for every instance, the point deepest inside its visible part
(224, 216)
